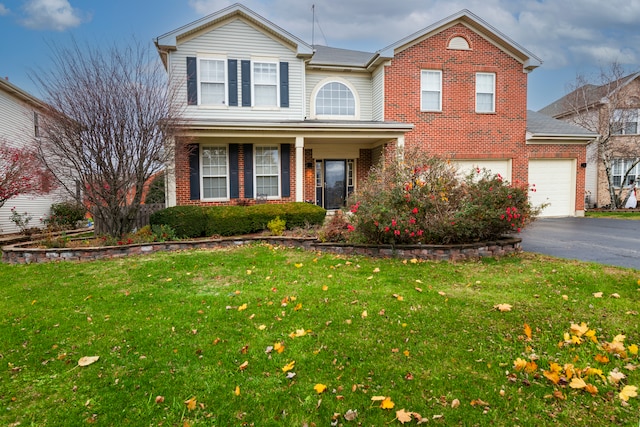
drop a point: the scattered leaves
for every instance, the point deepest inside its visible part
(88, 360)
(320, 388)
(503, 307)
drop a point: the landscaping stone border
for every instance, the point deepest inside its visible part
(21, 253)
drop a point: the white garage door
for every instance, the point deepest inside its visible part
(496, 166)
(555, 184)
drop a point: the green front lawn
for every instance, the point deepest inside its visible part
(619, 214)
(250, 336)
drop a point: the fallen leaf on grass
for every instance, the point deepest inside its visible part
(615, 295)
(320, 388)
(503, 307)
(244, 365)
(385, 402)
(159, 399)
(628, 391)
(88, 360)
(351, 415)
(289, 366)
(191, 403)
(527, 331)
(577, 383)
(597, 294)
(404, 416)
(479, 402)
(237, 391)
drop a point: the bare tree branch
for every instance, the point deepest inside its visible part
(109, 126)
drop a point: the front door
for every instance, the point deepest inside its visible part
(335, 185)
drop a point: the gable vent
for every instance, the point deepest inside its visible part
(458, 43)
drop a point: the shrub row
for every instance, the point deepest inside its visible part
(203, 221)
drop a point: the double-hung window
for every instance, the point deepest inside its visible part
(265, 84)
(212, 82)
(215, 182)
(267, 171)
(620, 167)
(485, 92)
(625, 122)
(431, 90)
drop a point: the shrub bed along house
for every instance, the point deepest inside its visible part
(200, 221)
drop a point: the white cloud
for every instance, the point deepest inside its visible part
(561, 34)
(3, 10)
(51, 15)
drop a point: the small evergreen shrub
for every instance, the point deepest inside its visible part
(155, 193)
(426, 200)
(186, 221)
(65, 215)
(277, 226)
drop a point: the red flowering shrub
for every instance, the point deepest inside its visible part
(425, 200)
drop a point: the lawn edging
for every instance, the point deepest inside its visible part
(22, 253)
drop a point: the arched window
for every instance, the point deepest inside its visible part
(335, 99)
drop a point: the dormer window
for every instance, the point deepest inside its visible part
(458, 43)
(335, 99)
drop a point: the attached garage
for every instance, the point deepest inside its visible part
(555, 184)
(495, 166)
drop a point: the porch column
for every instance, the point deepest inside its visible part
(299, 169)
(400, 148)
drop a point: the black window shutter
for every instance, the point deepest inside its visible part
(285, 168)
(248, 170)
(284, 84)
(232, 65)
(245, 72)
(192, 81)
(194, 171)
(233, 172)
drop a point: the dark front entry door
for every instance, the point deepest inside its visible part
(335, 189)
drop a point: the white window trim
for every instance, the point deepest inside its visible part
(253, 83)
(226, 81)
(440, 91)
(624, 170)
(202, 177)
(324, 82)
(278, 174)
(493, 95)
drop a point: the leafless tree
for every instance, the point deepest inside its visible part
(109, 126)
(609, 106)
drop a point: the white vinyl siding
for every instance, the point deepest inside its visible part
(17, 128)
(267, 171)
(358, 83)
(377, 90)
(238, 40)
(215, 182)
(265, 84)
(431, 90)
(485, 92)
(212, 81)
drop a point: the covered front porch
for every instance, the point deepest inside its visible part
(317, 162)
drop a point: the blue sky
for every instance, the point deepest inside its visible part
(571, 37)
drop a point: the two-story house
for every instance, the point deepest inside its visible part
(19, 113)
(272, 118)
(612, 110)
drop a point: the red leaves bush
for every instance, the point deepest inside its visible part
(426, 200)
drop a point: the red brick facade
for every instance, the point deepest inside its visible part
(458, 130)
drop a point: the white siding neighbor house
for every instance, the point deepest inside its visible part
(19, 126)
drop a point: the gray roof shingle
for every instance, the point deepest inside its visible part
(541, 124)
(331, 56)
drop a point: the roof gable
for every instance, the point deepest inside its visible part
(476, 24)
(169, 41)
(587, 95)
(22, 95)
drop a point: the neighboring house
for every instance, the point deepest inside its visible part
(613, 110)
(19, 112)
(271, 118)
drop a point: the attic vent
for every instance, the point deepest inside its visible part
(458, 43)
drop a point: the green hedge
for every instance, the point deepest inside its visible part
(199, 221)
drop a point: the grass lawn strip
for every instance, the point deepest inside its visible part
(261, 335)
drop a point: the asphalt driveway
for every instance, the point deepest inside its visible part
(602, 240)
